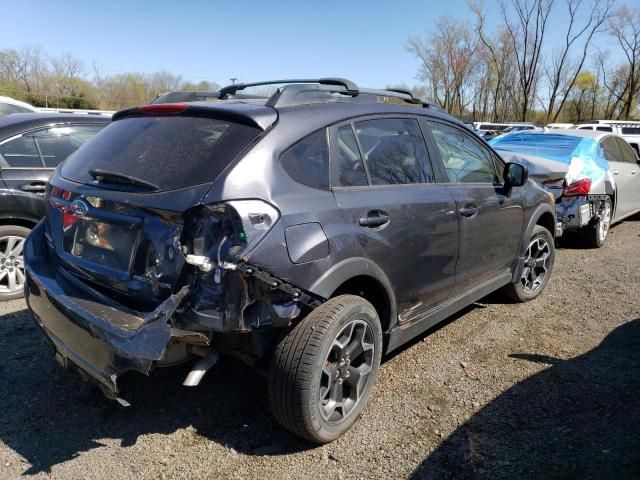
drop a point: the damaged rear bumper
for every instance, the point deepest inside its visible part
(578, 212)
(90, 331)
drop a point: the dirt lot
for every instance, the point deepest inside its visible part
(550, 389)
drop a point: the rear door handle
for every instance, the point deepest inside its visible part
(34, 187)
(468, 210)
(616, 172)
(374, 219)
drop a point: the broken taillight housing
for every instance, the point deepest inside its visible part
(256, 217)
(230, 230)
(577, 188)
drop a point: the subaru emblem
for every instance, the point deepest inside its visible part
(79, 208)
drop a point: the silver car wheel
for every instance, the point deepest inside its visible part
(346, 371)
(11, 264)
(605, 222)
(536, 266)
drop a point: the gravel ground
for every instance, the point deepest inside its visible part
(548, 389)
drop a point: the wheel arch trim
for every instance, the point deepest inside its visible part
(350, 268)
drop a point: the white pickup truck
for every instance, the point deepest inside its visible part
(627, 129)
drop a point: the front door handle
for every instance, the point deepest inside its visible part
(34, 187)
(616, 172)
(374, 219)
(468, 210)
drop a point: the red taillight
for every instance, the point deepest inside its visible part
(579, 187)
(165, 108)
(60, 193)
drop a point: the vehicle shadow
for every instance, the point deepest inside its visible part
(49, 416)
(579, 418)
(572, 240)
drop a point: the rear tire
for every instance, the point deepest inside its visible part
(323, 371)
(595, 235)
(12, 277)
(538, 265)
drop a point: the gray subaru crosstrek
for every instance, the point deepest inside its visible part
(309, 232)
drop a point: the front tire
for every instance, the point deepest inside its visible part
(322, 372)
(596, 234)
(538, 265)
(12, 277)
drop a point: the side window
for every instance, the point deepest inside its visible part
(395, 151)
(610, 149)
(626, 151)
(604, 129)
(465, 160)
(348, 169)
(21, 152)
(307, 162)
(57, 143)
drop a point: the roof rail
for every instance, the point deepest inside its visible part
(288, 95)
(402, 94)
(350, 87)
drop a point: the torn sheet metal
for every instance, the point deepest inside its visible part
(102, 339)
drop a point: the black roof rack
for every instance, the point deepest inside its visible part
(350, 88)
(288, 94)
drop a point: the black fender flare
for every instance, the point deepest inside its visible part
(349, 268)
(533, 221)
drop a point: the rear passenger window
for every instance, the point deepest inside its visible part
(465, 160)
(626, 151)
(394, 151)
(307, 162)
(348, 168)
(610, 149)
(21, 152)
(57, 143)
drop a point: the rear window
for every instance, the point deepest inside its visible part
(170, 152)
(552, 146)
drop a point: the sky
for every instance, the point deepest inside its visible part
(216, 40)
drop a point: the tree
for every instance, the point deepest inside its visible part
(624, 26)
(498, 58)
(585, 88)
(526, 23)
(447, 62)
(563, 73)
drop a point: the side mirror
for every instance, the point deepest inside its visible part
(515, 175)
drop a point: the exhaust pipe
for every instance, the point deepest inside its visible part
(200, 368)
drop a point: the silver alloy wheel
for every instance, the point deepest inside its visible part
(605, 222)
(535, 265)
(11, 264)
(346, 371)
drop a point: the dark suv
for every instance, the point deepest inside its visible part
(309, 232)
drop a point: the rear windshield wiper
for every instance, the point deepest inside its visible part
(113, 177)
